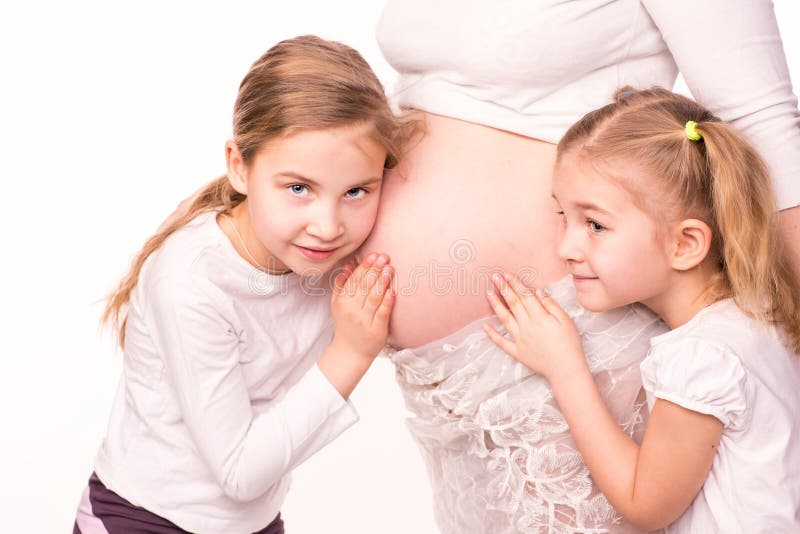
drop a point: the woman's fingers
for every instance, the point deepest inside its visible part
(505, 316)
(504, 343)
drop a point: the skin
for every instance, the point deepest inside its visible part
(790, 229)
(650, 484)
(316, 189)
(466, 201)
(483, 188)
(312, 198)
(600, 240)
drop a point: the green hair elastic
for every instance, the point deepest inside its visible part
(691, 133)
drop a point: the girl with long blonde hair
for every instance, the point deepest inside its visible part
(664, 205)
(243, 337)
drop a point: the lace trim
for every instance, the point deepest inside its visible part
(498, 450)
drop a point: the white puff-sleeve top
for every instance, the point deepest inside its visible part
(725, 364)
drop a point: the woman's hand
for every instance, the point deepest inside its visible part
(361, 304)
(543, 337)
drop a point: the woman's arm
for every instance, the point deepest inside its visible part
(650, 485)
(731, 55)
(790, 229)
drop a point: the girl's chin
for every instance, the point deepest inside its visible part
(600, 307)
(318, 268)
(594, 307)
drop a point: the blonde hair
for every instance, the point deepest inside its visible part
(719, 179)
(303, 83)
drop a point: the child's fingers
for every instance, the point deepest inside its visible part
(526, 294)
(371, 277)
(340, 282)
(543, 296)
(384, 310)
(529, 298)
(510, 295)
(377, 291)
(504, 343)
(354, 282)
(506, 318)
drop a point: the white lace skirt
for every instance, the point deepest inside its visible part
(498, 450)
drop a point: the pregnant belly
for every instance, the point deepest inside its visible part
(466, 202)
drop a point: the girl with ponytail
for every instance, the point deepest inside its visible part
(241, 349)
(665, 205)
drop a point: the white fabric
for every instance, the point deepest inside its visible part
(725, 364)
(498, 450)
(534, 67)
(220, 397)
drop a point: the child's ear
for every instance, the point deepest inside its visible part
(691, 240)
(237, 170)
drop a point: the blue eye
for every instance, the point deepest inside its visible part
(356, 192)
(595, 227)
(298, 189)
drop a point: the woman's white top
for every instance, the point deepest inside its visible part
(534, 67)
(725, 364)
(220, 397)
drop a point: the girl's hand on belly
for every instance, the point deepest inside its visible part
(361, 305)
(543, 337)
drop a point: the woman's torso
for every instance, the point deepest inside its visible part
(467, 201)
(499, 84)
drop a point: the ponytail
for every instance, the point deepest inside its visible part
(218, 196)
(754, 259)
(717, 178)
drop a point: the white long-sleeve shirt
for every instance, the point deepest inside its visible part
(220, 396)
(535, 67)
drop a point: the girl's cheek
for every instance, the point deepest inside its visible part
(363, 225)
(369, 212)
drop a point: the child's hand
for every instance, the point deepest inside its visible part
(361, 304)
(543, 337)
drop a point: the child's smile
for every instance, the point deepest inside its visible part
(611, 246)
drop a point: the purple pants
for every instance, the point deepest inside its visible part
(102, 511)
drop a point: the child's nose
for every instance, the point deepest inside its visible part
(569, 248)
(326, 226)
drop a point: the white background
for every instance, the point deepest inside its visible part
(110, 113)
